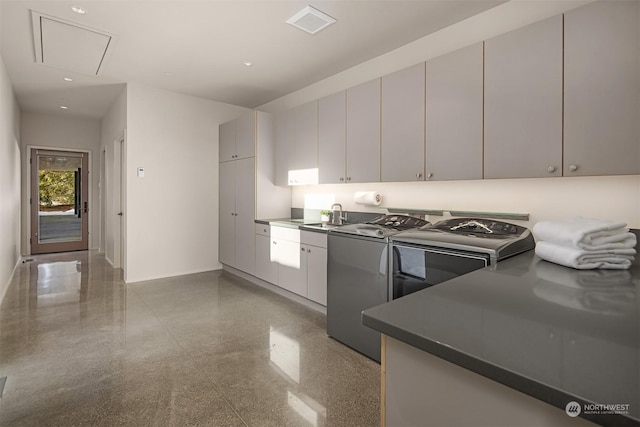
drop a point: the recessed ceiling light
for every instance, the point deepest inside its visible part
(68, 79)
(168, 74)
(247, 63)
(79, 10)
(64, 107)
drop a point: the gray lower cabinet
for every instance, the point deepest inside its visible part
(332, 128)
(403, 106)
(454, 115)
(363, 132)
(227, 219)
(315, 246)
(420, 386)
(601, 78)
(237, 210)
(300, 258)
(523, 102)
(266, 267)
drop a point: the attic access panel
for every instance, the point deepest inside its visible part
(69, 46)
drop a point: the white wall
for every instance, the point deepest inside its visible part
(172, 213)
(60, 131)
(9, 181)
(549, 198)
(608, 197)
(112, 130)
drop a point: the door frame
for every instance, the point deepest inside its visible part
(119, 203)
(31, 183)
(113, 201)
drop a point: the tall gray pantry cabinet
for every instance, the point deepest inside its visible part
(246, 187)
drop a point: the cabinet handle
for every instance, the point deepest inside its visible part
(341, 179)
(551, 169)
(302, 249)
(419, 175)
(573, 168)
(308, 251)
(429, 175)
(264, 230)
(275, 243)
(348, 178)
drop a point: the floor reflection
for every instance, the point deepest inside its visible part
(284, 353)
(59, 282)
(78, 346)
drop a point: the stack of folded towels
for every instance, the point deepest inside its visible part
(584, 243)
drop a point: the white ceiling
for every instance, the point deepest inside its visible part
(203, 45)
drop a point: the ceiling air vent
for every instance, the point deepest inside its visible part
(68, 46)
(311, 20)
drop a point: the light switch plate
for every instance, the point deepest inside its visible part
(141, 172)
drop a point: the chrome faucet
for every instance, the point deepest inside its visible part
(336, 219)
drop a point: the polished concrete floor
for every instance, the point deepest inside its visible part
(79, 347)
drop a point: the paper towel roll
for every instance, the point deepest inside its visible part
(369, 198)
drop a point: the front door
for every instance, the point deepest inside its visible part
(59, 201)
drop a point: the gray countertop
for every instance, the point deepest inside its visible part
(552, 332)
(302, 224)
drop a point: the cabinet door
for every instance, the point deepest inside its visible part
(246, 136)
(245, 214)
(283, 146)
(266, 269)
(332, 125)
(403, 125)
(292, 266)
(227, 210)
(317, 274)
(227, 141)
(305, 149)
(363, 132)
(523, 102)
(601, 77)
(454, 114)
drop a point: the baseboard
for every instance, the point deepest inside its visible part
(276, 289)
(166, 276)
(5, 286)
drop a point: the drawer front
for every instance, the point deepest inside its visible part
(263, 229)
(314, 239)
(285, 233)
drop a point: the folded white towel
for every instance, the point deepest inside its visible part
(585, 233)
(618, 259)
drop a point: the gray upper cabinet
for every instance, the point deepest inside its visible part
(454, 115)
(332, 127)
(523, 102)
(305, 142)
(602, 74)
(283, 146)
(363, 132)
(227, 141)
(237, 138)
(246, 136)
(403, 104)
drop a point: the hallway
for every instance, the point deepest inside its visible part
(79, 347)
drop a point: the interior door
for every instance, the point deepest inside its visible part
(59, 201)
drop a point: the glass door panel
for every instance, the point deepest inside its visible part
(59, 202)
